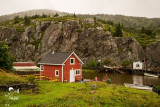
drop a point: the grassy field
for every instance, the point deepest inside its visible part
(9, 78)
(80, 94)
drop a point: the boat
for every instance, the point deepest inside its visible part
(151, 75)
(136, 86)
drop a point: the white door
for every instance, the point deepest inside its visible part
(72, 76)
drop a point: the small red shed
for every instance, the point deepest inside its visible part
(65, 66)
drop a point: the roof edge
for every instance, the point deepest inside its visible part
(49, 64)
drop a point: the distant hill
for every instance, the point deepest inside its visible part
(130, 22)
(31, 13)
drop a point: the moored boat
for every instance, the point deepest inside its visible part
(136, 86)
(151, 75)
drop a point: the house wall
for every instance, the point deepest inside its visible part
(49, 70)
(67, 67)
(141, 65)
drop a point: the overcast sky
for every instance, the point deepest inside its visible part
(143, 8)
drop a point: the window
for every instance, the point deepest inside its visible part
(72, 61)
(137, 65)
(77, 72)
(56, 72)
(41, 68)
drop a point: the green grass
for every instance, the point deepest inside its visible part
(79, 94)
(9, 78)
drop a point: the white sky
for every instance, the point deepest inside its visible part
(143, 8)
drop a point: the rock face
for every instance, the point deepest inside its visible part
(89, 43)
(153, 54)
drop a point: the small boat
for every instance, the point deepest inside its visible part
(136, 86)
(151, 75)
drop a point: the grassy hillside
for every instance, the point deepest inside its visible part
(81, 94)
(9, 78)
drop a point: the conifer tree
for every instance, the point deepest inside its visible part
(56, 15)
(27, 20)
(16, 19)
(118, 31)
(6, 58)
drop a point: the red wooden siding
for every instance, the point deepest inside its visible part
(67, 67)
(23, 64)
(49, 70)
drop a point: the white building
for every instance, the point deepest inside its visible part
(138, 65)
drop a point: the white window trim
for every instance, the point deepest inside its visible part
(41, 68)
(73, 60)
(79, 72)
(55, 72)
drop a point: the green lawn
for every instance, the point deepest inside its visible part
(9, 78)
(79, 94)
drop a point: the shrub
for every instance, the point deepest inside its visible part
(56, 15)
(35, 16)
(31, 79)
(74, 15)
(107, 62)
(156, 89)
(108, 80)
(126, 63)
(44, 16)
(110, 22)
(17, 19)
(6, 58)
(93, 64)
(20, 29)
(27, 20)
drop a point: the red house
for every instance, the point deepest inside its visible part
(65, 66)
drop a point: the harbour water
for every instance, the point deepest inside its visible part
(122, 78)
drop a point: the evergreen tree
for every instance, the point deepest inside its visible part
(44, 16)
(6, 58)
(118, 31)
(95, 20)
(56, 15)
(17, 19)
(35, 16)
(27, 20)
(149, 32)
(74, 15)
(143, 30)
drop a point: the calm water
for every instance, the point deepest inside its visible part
(122, 78)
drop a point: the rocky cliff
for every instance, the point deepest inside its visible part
(88, 41)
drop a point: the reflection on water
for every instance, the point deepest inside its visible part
(122, 78)
(137, 79)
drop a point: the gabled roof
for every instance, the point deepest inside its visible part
(57, 58)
